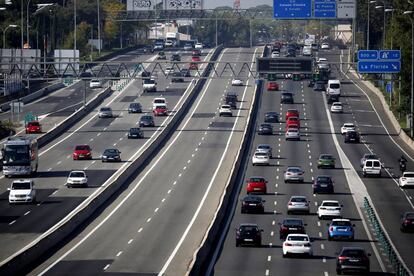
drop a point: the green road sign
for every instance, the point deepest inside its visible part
(271, 77)
(29, 117)
(67, 81)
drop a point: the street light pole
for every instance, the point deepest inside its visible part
(74, 30)
(216, 34)
(99, 30)
(27, 21)
(22, 25)
(383, 32)
(409, 13)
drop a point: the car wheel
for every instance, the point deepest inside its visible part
(338, 271)
(329, 238)
(285, 255)
(319, 167)
(288, 212)
(364, 174)
(243, 211)
(237, 244)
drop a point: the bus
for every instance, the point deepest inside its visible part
(20, 156)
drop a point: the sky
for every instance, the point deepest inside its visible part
(244, 4)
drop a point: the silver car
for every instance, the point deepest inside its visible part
(299, 204)
(292, 134)
(264, 148)
(294, 173)
(105, 112)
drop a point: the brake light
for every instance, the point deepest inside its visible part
(283, 228)
(407, 221)
(288, 173)
(342, 258)
(322, 208)
(288, 244)
(290, 203)
(339, 208)
(331, 228)
(403, 178)
(307, 244)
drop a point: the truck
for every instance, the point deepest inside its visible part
(174, 37)
(20, 156)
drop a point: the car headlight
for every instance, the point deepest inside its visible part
(104, 156)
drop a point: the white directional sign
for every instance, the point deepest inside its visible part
(346, 9)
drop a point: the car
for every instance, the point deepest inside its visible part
(371, 167)
(287, 98)
(135, 108)
(169, 43)
(332, 98)
(146, 121)
(105, 112)
(95, 83)
(340, 229)
(275, 54)
(236, 82)
(252, 204)
(367, 156)
(195, 58)
(160, 110)
(196, 52)
(169, 70)
(297, 244)
(265, 129)
(337, 107)
(290, 54)
(272, 86)
(159, 101)
(177, 77)
(145, 74)
(347, 127)
(271, 117)
(293, 122)
(22, 191)
(248, 234)
(292, 133)
(319, 86)
(264, 148)
(161, 56)
(113, 155)
(321, 60)
(135, 133)
(33, 127)
(198, 45)
(326, 161)
(77, 178)
(352, 136)
(325, 46)
(225, 110)
(293, 174)
(407, 222)
(158, 46)
(260, 158)
(175, 57)
(231, 99)
(407, 179)
(193, 66)
(324, 66)
(256, 184)
(329, 208)
(288, 76)
(82, 152)
(353, 259)
(291, 113)
(188, 47)
(291, 226)
(149, 85)
(298, 204)
(185, 73)
(323, 184)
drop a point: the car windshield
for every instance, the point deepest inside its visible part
(293, 119)
(298, 238)
(105, 109)
(334, 86)
(149, 81)
(330, 204)
(260, 154)
(293, 222)
(147, 118)
(21, 185)
(263, 147)
(110, 151)
(298, 199)
(77, 174)
(287, 95)
(82, 148)
(271, 114)
(370, 156)
(326, 157)
(159, 101)
(94, 80)
(341, 223)
(265, 126)
(256, 179)
(293, 130)
(348, 125)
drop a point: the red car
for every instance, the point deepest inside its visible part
(196, 52)
(291, 113)
(160, 111)
(256, 184)
(193, 66)
(292, 122)
(33, 127)
(195, 58)
(272, 86)
(82, 152)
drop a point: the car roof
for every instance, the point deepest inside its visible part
(298, 235)
(352, 248)
(297, 196)
(248, 224)
(341, 220)
(263, 145)
(77, 171)
(22, 180)
(294, 167)
(330, 201)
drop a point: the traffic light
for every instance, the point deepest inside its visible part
(7, 2)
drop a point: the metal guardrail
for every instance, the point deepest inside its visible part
(395, 259)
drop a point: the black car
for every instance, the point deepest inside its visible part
(185, 73)
(135, 133)
(352, 136)
(352, 259)
(113, 155)
(265, 129)
(311, 83)
(145, 74)
(323, 184)
(231, 99)
(248, 233)
(177, 77)
(332, 99)
(134, 108)
(271, 117)
(252, 204)
(286, 98)
(146, 121)
(407, 222)
(175, 57)
(319, 86)
(291, 226)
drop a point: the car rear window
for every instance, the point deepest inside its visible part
(409, 175)
(409, 215)
(298, 238)
(256, 179)
(298, 199)
(82, 148)
(334, 86)
(326, 157)
(323, 179)
(293, 222)
(353, 252)
(249, 229)
(336, 204)
(341, 223)
(296, 170)
(33, 124)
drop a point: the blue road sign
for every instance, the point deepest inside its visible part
(292, 9)
(367, 55)
(379, 67)
(325, 9)
(390, 55)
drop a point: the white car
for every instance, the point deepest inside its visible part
(160, 101)
(22, 191)
(77, 178)
(260, 158)
(95, 83)
(275, 54)
(225, 110)
(169, 43)
(105, 112)
(407, 179)
(297, 244)
(237, 82)
(264, 148)
(292, 134)
(337, 107)
(330, 208)
(347, 127)
(169, 70)
(325, 46)
(322, 60)
(198, 46)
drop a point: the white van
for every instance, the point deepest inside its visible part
(371, 167)
(333, 87)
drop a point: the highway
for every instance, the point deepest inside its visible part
(20, 224)
(316, 138)
(157, 223)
